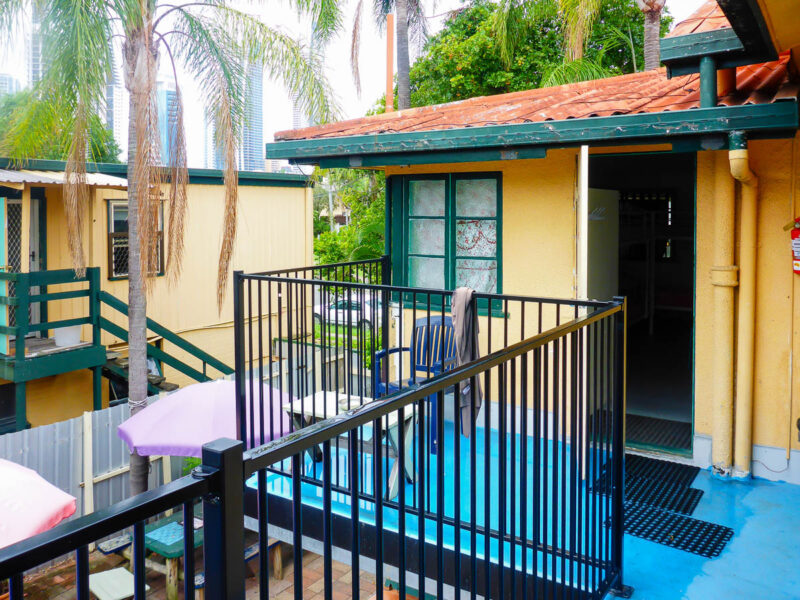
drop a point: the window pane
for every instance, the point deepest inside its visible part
(476, 238)
(425, 272)
(476, 197)
(427, 198)
(119, 217)
(480, 275)
(426, 236)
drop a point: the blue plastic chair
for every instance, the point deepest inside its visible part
(432, 352)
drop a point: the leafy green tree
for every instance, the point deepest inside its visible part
(53, 139)
(215, 43)
(363, 193)
(465, 59)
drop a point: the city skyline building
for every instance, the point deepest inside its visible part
(8, 84)
(167, 102)
(33, 49)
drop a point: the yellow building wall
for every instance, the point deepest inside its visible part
(776, 377)
(274, 232)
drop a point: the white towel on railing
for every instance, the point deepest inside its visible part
(465, 327)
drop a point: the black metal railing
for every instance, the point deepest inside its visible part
(522, 500)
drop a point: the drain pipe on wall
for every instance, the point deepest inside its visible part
(745, 327)
(724, 278)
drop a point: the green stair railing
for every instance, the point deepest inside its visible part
(157, 353)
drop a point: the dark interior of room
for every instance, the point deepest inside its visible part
(656, 274)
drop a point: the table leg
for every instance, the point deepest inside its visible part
(394, 475)
(277, 561)
(172, 578)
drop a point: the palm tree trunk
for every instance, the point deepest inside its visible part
(403, 66)
(137, 302)
(652, 38)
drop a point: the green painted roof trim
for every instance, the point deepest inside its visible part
(747, 21)
(696, 45)
(196, 176)
(663, 126)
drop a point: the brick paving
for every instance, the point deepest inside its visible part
(58, 582)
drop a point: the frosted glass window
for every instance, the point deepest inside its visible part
(427, 198)
(480, 275)
(425, 272)
(476, 197)
(426, 236)
(476, 237)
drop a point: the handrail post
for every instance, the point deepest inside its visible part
(618, 490)
(223, 516)
(238, 349)
(22, 292)
(386, 280)
(93, 276)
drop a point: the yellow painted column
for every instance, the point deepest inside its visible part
(724, 279)
(745, 330)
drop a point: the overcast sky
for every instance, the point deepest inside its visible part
(277, 107)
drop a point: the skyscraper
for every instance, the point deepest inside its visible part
(167, 100)
(8, 84)
(252, 155)
(33, 49)
(116, 108)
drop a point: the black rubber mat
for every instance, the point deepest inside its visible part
(662, 494)
(676, 530)
(657, 483)
(661, 433)
(660, 470)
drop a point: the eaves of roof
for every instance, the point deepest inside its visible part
(196, 176)
(706, 126)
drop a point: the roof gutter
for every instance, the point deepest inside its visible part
(507, 141)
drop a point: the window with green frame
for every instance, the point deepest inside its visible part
(452, 230)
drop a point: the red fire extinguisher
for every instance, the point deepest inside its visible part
(795, 227)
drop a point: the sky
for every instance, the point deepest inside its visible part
(277, 106)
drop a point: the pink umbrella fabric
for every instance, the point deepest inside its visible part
(29, 504)
(180, 423)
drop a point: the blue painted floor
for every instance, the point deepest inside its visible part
(761, 561)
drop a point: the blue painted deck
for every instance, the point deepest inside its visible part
(761, 561)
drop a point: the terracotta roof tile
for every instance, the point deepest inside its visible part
(644, 92)
(706, 18)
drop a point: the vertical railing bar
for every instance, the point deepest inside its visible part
(16, 587)
(270, 362)
(377, 491)
(188, 550)
(556, 466)
(473, 483)
(327, 541)
(564, 464)
(249, 443)
(487, 479)
(138, 561)
(421, 501)
(354, 522)
(513, 464)
(297, 525)
(440, 492)
(401, 522)
(538, 466)
(263, 536)
(501, 473)
(82, 573)
(523, 484)
(261, 365)
(457, 527)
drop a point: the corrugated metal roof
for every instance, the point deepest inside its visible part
(646, 92)
(58, 178)
(706, 18)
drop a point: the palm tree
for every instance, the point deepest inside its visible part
(514, 18)
(652, 31)
(214, 43)
(411, 26)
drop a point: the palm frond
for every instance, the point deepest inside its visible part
(574, 71)
(355, 46)
(513, 21)
(578, 17)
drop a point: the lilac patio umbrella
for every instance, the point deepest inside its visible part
(180, 423)
(29, 504)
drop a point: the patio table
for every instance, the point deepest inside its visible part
(165, 538)
(325, 404)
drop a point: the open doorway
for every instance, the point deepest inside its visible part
(653, 196)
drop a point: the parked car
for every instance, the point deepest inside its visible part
(348, 312)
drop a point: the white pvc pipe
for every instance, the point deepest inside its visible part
(583, 222)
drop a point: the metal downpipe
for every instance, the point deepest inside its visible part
(745, 330)
(724, 278)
